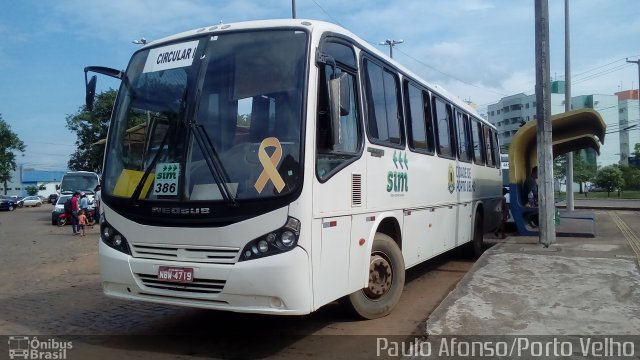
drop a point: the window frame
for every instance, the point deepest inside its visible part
(430, 141)
(465, 123)
(367, 102)
(451, 130)
(356, 97)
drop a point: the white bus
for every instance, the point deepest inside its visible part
(276, 166)
(82, 181)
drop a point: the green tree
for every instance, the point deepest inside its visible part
(610, 178)
(9, 144)
(582, 171)
(636, 150)
(91, 126)
(560, 169)
(31, 190)
(631, 177)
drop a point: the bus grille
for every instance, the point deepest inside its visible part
(201, 286)
(203, 254)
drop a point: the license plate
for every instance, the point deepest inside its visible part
(175, 274)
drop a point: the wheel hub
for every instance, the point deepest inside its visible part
(380, 277)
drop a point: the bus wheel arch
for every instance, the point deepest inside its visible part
(386, 280)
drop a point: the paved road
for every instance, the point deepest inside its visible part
(51, 287)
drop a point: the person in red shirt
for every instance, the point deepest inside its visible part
(75, 208)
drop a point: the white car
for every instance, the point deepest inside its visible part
(32, 201)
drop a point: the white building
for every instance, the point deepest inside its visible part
(512, 111)
(607, 107)
(629, 128)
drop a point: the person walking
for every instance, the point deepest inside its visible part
(503, 213)
(84, 202)
(97, 200)
(75, 208)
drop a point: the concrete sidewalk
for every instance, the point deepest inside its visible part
(586, 286)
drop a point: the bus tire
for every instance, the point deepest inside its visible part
(386, 281)
(477, 243)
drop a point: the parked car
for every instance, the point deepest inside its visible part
(8, 203)
(32, 201)
(59, 208)
(53, 198)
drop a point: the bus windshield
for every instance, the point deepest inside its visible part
(212, 118)
(79, 181)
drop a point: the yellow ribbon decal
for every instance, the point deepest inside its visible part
(269, 165)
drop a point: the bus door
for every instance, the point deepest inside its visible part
(339, 178)
(463, 177)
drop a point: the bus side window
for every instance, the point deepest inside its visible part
(384, 119)
(331, 157)
(478, 147)
(443, 126)
(496, 148)
(420, 125)
(462, 125)
(488, 140)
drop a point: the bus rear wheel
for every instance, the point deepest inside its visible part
(477, 243)
(386, 280)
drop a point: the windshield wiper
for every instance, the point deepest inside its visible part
(213, 162)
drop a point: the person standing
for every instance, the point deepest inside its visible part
(84, 202)
(75, 208)
(503, 213)
(97, 199)
(82, 221)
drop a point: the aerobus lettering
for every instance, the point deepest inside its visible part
(174, 55)
(167, 176)
(397, 181)
(464, 182)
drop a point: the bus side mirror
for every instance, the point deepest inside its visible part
(340, 103)
(90, 92)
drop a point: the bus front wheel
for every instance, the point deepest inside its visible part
(386, 280)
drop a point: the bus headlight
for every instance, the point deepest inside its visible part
(275, 242)
(288, 238)
(112, 238)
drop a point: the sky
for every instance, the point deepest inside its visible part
(480, 50)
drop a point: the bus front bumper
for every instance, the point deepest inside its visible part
(279, 284)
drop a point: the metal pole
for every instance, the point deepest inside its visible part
(637, 62)
(567, 101)
(293, 9)
(546, 209)
(391, 44)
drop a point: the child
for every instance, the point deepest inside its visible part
(82, 221)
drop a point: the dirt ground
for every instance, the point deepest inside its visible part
(51, 289)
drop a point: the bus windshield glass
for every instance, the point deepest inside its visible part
(79, 181)
(212, 118)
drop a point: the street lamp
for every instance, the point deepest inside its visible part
(391, 44)
(142, 41)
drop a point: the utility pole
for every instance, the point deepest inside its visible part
(391, 44)
(546, 209)
(293, 9)
(567, 100)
